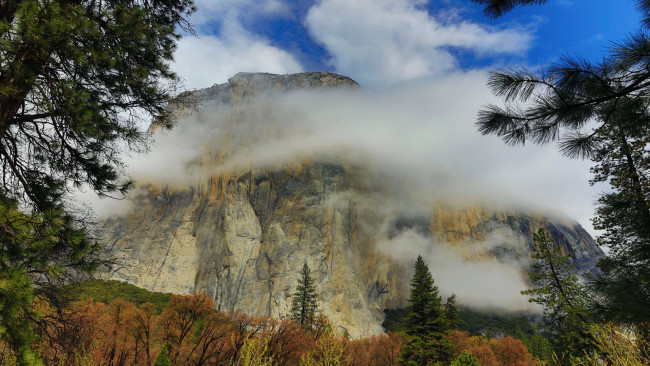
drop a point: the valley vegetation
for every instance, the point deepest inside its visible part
(164, 329)
(127, 325)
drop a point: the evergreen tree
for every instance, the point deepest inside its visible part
(556, 288)
(538, 345)
(74, 77)
(163, 357)
(465, 359)
(30, 247)
(496, 8)
(452, 313)
(623, 160)
(558, 104)
(427, 325)
(304, 305)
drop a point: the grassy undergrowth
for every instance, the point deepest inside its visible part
(107, 291)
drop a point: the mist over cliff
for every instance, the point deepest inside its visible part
(269, 171)
(422, 136)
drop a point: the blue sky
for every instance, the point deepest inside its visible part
(306, 35)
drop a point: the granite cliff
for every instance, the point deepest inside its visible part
(241, 232)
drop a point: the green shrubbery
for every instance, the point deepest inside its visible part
(107, 291)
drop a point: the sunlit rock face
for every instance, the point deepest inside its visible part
(242, 232)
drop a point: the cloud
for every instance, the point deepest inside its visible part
(419, 137)
(208, 59)
(485, 285)
(593, 39)
(380, 42)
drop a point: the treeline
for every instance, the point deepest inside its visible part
(188, 331)
(491, 325)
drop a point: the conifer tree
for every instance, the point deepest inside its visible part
(163, 357)
(304, 305)
(556, 288)
(623, 160)
(427, 325)
(465, 359)
(497, 8)
(596, 110)
(451, 311)
(76, 78)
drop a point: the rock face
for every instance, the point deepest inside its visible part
(242, 234)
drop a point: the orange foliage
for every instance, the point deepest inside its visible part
(287, 342)
(505, 351)
(513, 352)
(180, 320)
(484, 354)
(375, 351)
(71, 333)
(142, 327)
(121, 333)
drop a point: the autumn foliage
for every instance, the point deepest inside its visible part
(193, 333)
(505, 351)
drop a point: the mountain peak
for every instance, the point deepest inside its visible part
(245, 84)
(298, 80)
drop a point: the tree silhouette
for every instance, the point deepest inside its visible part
(427, 325)
(304, 304)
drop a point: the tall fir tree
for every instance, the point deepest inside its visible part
(623, 160)
(304, 304)
(557, 290)
(163, 357)
(427, 326)
(452, 313)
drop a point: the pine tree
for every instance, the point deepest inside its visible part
(497, 8)
(427, 325)
(465, 359)
(76, 78)
(29, 244)
(623, 160)
(163, 357)
(304, 305)
(556, 288)
(451, 311)
(596, 110)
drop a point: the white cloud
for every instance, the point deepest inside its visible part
(420, 136)
(485, 284)
(211, 59)
(379, 42)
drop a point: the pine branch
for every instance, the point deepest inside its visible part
(497, 8)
